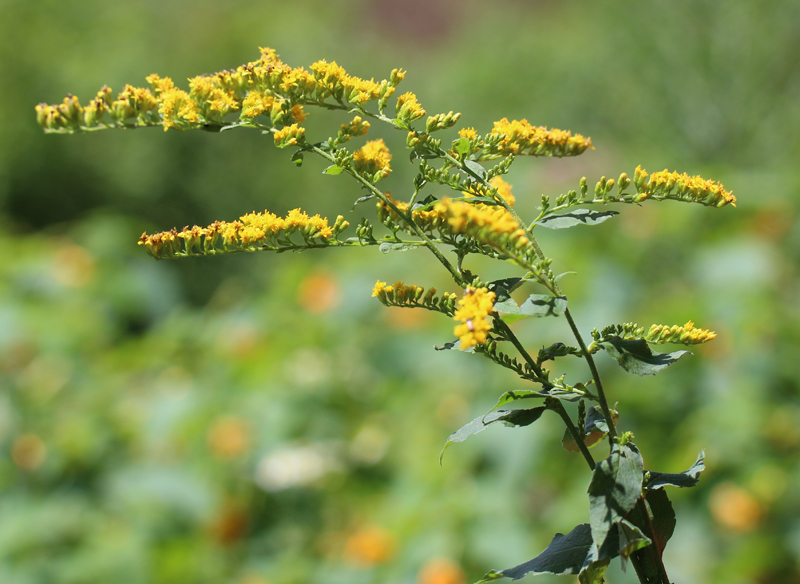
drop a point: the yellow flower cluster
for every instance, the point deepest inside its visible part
(249, 233)
(503, 189)
(408, 108)
(473, 308)
(520, 137)
(428, 220)
(264, 87)
(685, 335)
(682, 187)
(401, 294)
(372, 160)
(493, 226)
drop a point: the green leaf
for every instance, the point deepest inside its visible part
(297, 158)
(515, 418)
(362, 199)
(461, 146)
(387, 247)
(536, 305)
(630, 539)
(514, 395)
(635, 356)
(687, 478)
(490, 576)
(557, 393)
(475, 168)
(507, 307)
(615, 487)
(576, 217)
(333, 169)
(593, 572)
(565, 555)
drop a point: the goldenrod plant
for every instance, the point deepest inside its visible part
(630, 514)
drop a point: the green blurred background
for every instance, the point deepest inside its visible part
(258, 419)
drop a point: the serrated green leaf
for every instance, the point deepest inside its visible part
(576, 217)
(687, 478)
(333, 169)
(387, 247)
(461, 146)
(564, 555)
(615, 487)
(475, 168)
(635, 356)
(517, 418)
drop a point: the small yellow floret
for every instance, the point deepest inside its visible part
(474, 307)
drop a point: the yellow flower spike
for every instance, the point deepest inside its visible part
(681, 187)
(520, 137)
(372, 160)
(685, 335)
(376, 291)
(257, 103)
(473, 308)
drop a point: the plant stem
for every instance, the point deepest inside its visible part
(554, 404)
(407, 218)
(612, 431)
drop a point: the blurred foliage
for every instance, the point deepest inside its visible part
(257, 420)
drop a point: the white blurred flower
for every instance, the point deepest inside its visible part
(295, 466)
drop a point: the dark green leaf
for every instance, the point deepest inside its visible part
(387, 247)
(565, 555)
(516, 418)
(461, 146)
(297, 158)
(595, 429)
(635, 356)
(502, 288)
(615, 487)
(425, 203)
(576, 217)
(687, 478)
(659, 525)
(333, 169)
(475, 168)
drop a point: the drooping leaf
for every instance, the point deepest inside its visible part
(387, 247)
(297, 158)
(333, 169)
(615, 487)
(687, 478)
(630, 539)
(576, 217)
(565, 555)
(476, 168)
(516, 418)
(635, 356)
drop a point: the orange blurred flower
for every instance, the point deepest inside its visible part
(734, 508)
(370, 545)
(441, 571)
